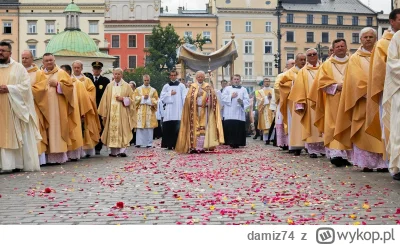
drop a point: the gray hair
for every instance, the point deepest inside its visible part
(118, 70)
(367, 29)
(147, 76)
(289, 60)
(200, 72)
(311, 49)
(77, 62)
(28, 51)
(298, 55)
(132, 82)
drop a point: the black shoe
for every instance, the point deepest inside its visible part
(193, 151)
(396, 176)
(16, 170)
(169, 148)
(313, 155)
(262, 138)
(267, 142)
(122, 155)
(255, 137)
(112, 155)
(338, 161)
(297, 153)
(87, 156)
(73, 160)
(149, 146)
(137, 146)
(382, 170)
(367, 170)
(97, 152)
(285, 148)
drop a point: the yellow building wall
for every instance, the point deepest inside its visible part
(10, 15)
(33, 10)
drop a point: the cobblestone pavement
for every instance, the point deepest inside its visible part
(254, 185)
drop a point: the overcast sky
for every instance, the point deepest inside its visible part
(173, 5)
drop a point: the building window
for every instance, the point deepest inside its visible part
(32, 48)
(268, 69)
(369, 21)
(268, 47)
(228, 26)
(248, 69)
(131, 41)
(310, 19)
(93, 27)
(268, 26)
(340, 35)
(50, 27)
(115, 41)
(310, 37)
(132, 62)
(290, 56)
(289, 18)
(355, 21)
(325, 37)
(289, 36)
(188, 34)
(7, 28)
(248, 47)
(325, 19)
(340, 20)
(355, 38)
(146, 41)
(207, 34)
(248, 26)
(32, 27)
(116, 62)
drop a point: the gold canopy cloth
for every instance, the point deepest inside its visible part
(197, 61)
(350, 121)
(214, 134)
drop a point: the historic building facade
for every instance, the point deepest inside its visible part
(254, 26)
(40, 21)
(9, 20)
(127, 25)
(316, 23)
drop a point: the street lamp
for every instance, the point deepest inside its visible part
(278, 13)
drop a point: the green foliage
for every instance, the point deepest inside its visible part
(198, 42)
(157, 78)
(162, 48)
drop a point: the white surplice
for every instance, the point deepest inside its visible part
(232, 109)
(23, 153)
(173, 103)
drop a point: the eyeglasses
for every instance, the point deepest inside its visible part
(3, 51)
(312, 54)
(173, 75)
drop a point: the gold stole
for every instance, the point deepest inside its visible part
(115, 117)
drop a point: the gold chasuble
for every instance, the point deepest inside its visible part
(57, 109)
(265, 112)
(91, 121)
(35, 73)
(285, 85)
(117, 118)
(326, 107)
(145, 114)
(301, 88)
(375, 86)
(350, 121)
(197, 120)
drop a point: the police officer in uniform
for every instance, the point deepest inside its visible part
(100, 83)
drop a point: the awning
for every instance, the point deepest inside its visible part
(197, 61)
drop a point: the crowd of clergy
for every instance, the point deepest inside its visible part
(344, 108)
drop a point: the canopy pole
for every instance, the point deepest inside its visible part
(183, 72)
(223, 76)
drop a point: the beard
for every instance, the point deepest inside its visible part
(4, 60)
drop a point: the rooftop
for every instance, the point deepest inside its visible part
(335, 6)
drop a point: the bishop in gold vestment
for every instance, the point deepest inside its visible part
(53, 94)
(201, 124)
(304, 81)
(329, 84)
(19, 132)
(117, 110)
(146, 100)
(266, 107)
(350, 121)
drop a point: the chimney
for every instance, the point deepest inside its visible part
(180, 10)
(161, 10)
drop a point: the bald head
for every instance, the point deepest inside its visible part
(27, 58)
(301, 60)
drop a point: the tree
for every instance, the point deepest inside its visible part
(163, 43)
(157, 78)
(198, 42)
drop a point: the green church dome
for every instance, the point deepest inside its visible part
(75, 40)
(72, 7)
